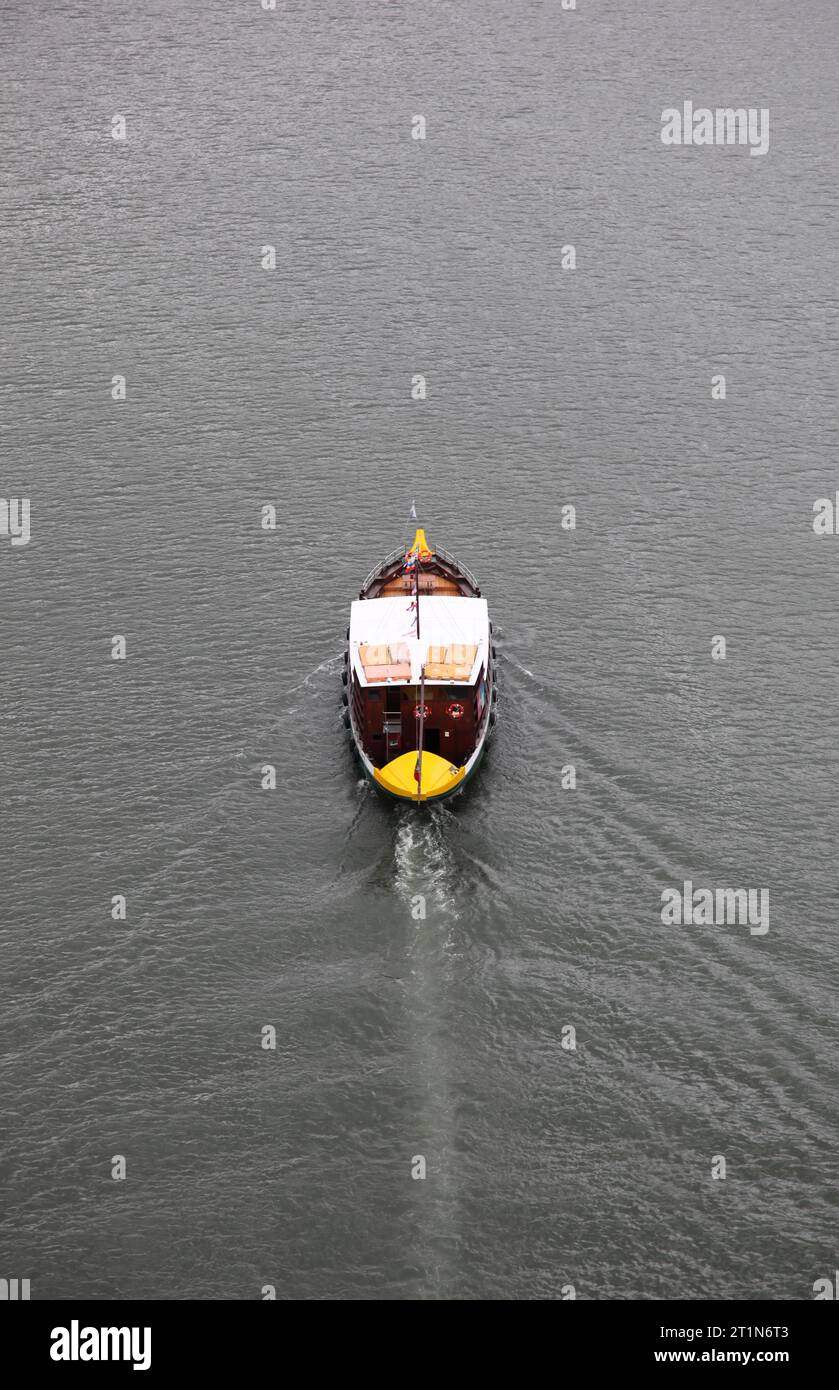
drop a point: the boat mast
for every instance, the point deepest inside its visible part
(421, 727)
(421, 709)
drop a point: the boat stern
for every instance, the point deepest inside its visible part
(438, 777)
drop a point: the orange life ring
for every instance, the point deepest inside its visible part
(455, 710)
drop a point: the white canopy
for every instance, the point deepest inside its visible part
(445, 621)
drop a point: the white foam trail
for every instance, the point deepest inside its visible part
(424, 864)
(515, 662)
(307, 680)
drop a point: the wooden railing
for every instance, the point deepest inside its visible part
(401, 551)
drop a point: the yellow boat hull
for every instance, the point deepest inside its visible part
(439, 777)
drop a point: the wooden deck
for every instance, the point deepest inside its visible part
(428, 584)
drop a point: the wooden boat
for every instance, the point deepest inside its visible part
(419, 674)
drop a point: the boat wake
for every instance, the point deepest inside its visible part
(332, 663)
(513, 661)
(424, 865)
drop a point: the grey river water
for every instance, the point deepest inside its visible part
(396, 1036)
